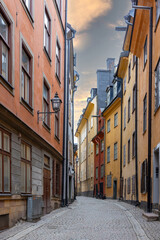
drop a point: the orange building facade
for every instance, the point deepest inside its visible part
(32, 37)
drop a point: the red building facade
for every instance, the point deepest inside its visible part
(32, 39)
(99, 167)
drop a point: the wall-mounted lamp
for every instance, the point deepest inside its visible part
(56, 103)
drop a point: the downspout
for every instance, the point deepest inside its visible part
(149, 207)
(136, 133)
(121, 179)
(64, 118)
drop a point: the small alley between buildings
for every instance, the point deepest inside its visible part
(88, 219)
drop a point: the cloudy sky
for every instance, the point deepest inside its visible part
(96, 40)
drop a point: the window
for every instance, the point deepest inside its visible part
(57, 125)
(53, 178)
(129, 71)
(47, 33)
(128, 150)
(108, 126)
(125, 83)
(46, 161)
(59, 5)
(145, 113)
(157, 86)
(145, 52)
(96, 172)
(144, 177)
(129, 109)
(46, 104)
(91, 147)
(58, 65)
(115, 151)
(108, 97)
(124, 155)
(108, 154)
(102, 145)
(134, 60)
(109, 181)
(129, 185)
(133, 185)
(134, 98)
(124, 117)
(115, 90)
(157, 9)
(5, 161)
(102, 171)
(133, 144)
(26, 82)
(97, 149)
(28, 4)
(25, 168)
(5, 48)
(57, 179)
(116, 120)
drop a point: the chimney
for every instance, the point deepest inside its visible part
(110, 64)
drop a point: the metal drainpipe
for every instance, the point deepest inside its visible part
(136, 133)
(121, 193)
(149, 207)
(64, 121)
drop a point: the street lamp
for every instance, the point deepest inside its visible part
(56, 102)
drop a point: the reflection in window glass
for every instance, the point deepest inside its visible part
(6, 174)
(23, 177)
(6, 142)
(3, 28)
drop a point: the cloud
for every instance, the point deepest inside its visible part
(83, 12)
(81, 40)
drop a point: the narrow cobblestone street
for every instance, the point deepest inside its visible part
(88, 219)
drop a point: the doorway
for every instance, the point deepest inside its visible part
(115, 189)
(46, 191)
(156, 178)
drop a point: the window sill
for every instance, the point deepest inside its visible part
(57, 138)
(58, 79)
(144, 66)
(6, 84)
(115, 126)
(47, 55)
(128, 120)
(46, 127)
(133, 110)
(144, 132)
(29, 15)
(116, 159)
(108, 162)
(156, 110)
(27, 106)
(26, 194)
(5, 194)
(133, 157)
(157, 23)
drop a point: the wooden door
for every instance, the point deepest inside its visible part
(46, 190)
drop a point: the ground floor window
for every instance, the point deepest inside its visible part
(25, 168)
(5, 161)
(144, 177)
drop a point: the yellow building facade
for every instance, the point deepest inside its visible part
(87, 129)
(112, 115)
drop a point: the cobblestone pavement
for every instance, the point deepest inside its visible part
(88, 219)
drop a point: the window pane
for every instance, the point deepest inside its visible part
(46, 21)
(25, 60)
(26, 89)
(6, 174)
(3, 28)
(28, 178)
(28, 153)
(23, 177)
(5, 62)
(0, 173)
(22, 85)
(6, 140)
(45, 92)
(22, 150)
(0, 140)
(28, 4)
